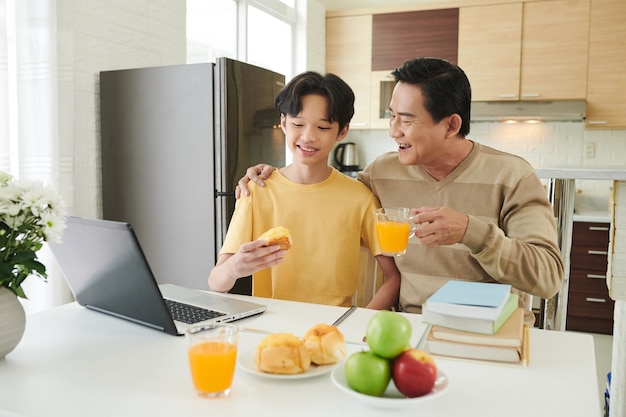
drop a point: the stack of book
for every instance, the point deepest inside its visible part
(475, 320)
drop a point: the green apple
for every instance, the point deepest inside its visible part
(388, 334)
(368, 373)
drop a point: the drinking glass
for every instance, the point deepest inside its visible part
(212, 352)
(393, 228)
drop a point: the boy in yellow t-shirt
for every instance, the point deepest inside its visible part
(330, 216)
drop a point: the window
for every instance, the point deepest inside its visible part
(259, 32)
(269, 41)
(211, 30)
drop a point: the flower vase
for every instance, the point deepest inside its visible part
(12, 321)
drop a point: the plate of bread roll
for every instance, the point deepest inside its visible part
(286, 356)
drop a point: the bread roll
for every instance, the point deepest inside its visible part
(282, 353)
(277, 236)
(325, 343)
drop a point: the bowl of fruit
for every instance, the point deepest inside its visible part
(390, 373)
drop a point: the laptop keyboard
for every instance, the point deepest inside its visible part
(190, 314)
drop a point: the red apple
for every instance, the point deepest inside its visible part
(414, 373)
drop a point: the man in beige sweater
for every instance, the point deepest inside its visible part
(481, 214)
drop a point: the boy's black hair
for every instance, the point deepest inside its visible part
(445, 88)
(339, 95)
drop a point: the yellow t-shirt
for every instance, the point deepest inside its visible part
(328, 221)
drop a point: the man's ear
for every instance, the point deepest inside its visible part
(283, 123)
(342, 134)
(454, 125)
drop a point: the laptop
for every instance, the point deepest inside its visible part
(108, 272)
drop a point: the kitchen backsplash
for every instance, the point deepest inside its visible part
(548, 144)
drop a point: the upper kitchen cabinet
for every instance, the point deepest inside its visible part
(397, 37)
(527, 51)
(493, 67)
(555, 48)
(606, 107)
(349, 55)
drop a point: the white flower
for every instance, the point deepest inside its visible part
(52, 226)
(30, 214)
(5, 177)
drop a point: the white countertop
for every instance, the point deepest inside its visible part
(593, 217)
(604, 173)
(77, 362)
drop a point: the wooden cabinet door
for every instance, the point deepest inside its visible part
(349, 55)
(397, 37)
(606, 106)
(555, 39)
(530, 51)
(490, 39)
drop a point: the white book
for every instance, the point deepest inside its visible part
(510, 334)
(479, 352)
(518, 355)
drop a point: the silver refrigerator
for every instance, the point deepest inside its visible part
(175, 140)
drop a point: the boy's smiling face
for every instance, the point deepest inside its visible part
(310, 136)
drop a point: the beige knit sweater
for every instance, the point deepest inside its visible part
(511, 236)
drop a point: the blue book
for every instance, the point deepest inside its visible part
(470, 324)
(470, 299)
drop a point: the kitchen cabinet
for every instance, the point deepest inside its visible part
(606, 107)
(589, 307)
(493, 68)
(397, 37)
(555, 46)
(540, 53)
(537, 50)
(349, 55)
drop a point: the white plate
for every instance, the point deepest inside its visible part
(392, 398)
(246, 362)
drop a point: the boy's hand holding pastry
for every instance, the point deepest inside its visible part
(268, 250)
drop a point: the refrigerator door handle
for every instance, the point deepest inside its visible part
(224, 193)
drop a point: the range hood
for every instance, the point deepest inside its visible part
(563, 110)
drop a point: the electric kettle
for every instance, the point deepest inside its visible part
(346, 157)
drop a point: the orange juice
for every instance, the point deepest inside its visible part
(393, 237)
(212, 365)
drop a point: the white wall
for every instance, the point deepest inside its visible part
(311, 45)
(111, 35)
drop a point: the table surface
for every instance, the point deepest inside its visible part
(76, 362)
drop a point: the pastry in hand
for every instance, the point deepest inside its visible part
(278, 235)
(325, 343)
(282, 353)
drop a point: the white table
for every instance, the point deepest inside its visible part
(76, 362)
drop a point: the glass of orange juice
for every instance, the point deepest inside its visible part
(393, 227)
(212, 352)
